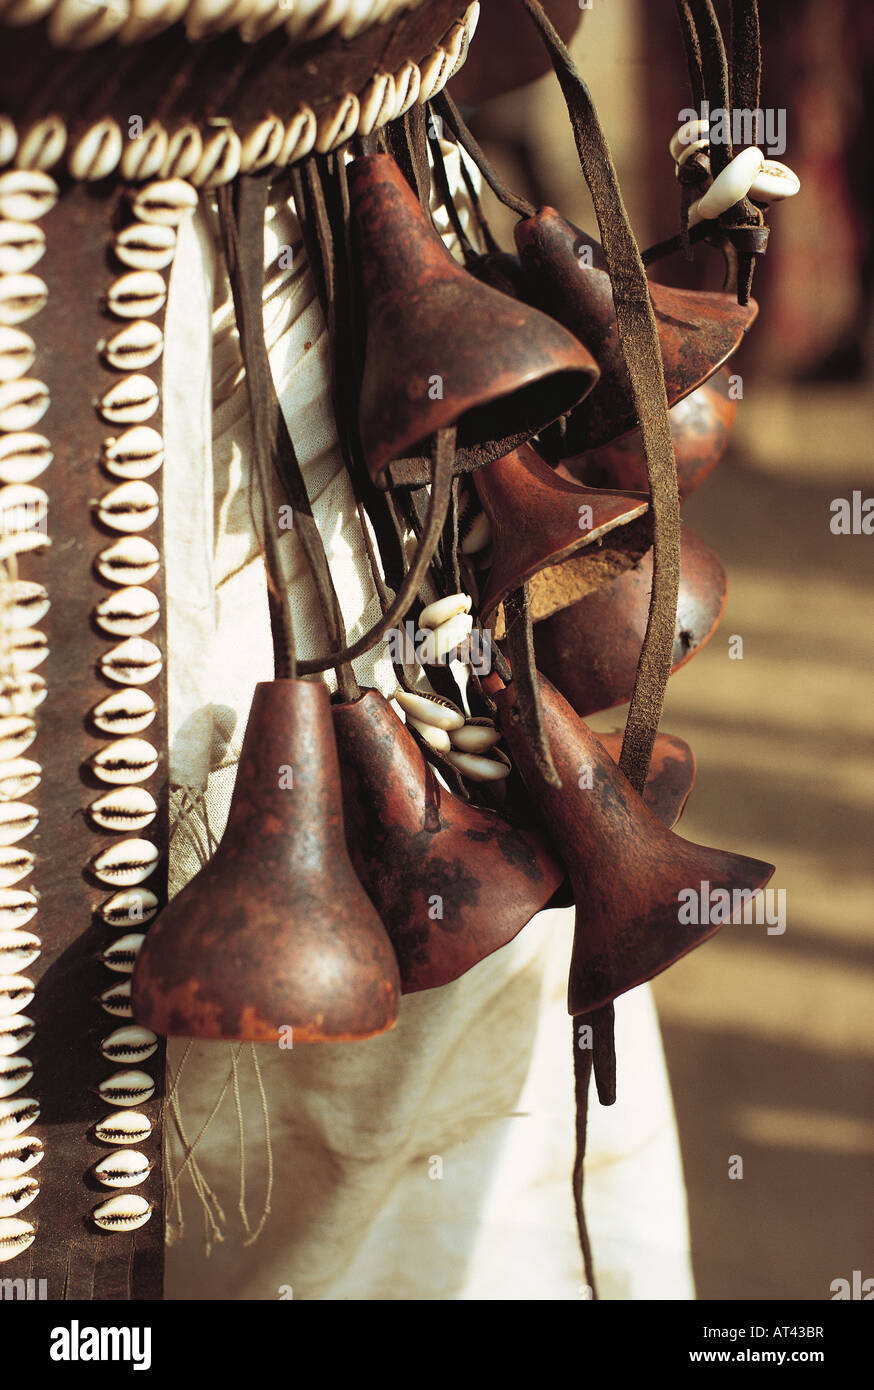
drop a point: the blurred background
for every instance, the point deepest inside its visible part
(769, 1039)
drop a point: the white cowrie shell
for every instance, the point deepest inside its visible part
(300, 136)
(17, 820)
(129, 402)
(23, 457)
(127, 711)
(444, 639)
(17, 1031)
(690, 133)
(134, 662)
(477, 769)
(121, 956)
(15, 1074)
(17, 1115)
(262, 145)
(17, 352)
(126, 1168)
(16, 1235)
(18, 906)
(130, 507)
(18, 950)
(143, 157)
(18, 1156)
(126, 863)
(129, 1044)
(430, 709)
(23, 403)
(729, 187)
(22, 507)
(18, 778)
(184, 152)
(137, 295)
(136, 345)
(28, 647)
(220, 161)
(697, 147)
(15, 864)
(475, 738)
(117, 1001)
(8, 140)
(146, 246)
(126, 1088)
(17, 733)
(128, 612)
(20, 542)
(123, 1127)
(137, 453)
(26, 195)
(443, 609)
(774, 182)
(477, 535)
(97, 153)
(131, 907)
(20, 694)
(129, 562)
(21, 296)
(80, 24)
(167, 202)
(41, 145)
(22, 244)
(435, 738)
(122, 1213)
(16, 1194)
(262, 18)
(128, 808)
(16, 994)
(126, 760)
(28, 603)
(150, 17)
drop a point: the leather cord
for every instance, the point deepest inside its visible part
(520, 641)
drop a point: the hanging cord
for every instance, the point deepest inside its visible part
(520, 640)
(582, 1074)
(446, 198)
(444, 104)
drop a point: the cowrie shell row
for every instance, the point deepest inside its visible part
(127, 863)
(16, 1235)
(430, 709)
(26, 195)
(124, 1088)
(477, 769)
(17, 733)
(130, 907)
(435, 738)
(122, 1213)
(137, 345)
(22, 507)
(774, 182)
(126, 760)
(126, 1168)
(124, 1127)
(129, 402)
(443, 609)
(137, 453)
(16, 994)
(475, 738)
(127, 711)
(17, 352)
(22, 244)
(132, 560)
(18, 950)
(729, 187)
(20, 694)
(28, 647)
(17, 1031)
(18, 1156)
(16, 1194)
(128, 612)
(129, 1044)
(121, 956)
(21, 296)
(444, 639)
(26, 603)
(134, 662)
(23, 403)
(17, 1115)
(15, 1074)
(23, 457)
(137, 295)
(117, 1001)
(167, 202)
(129, 507)
(129, 808)
(17, 820)
(18, 906)
(145, 246)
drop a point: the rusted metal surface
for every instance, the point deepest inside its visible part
(627, 870)
(590, 650)
(452, 882)
(276, 929)
(566, 277)
(442, 348)
(671, 775)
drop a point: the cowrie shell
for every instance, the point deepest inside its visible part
(123, 1127)
(477, 769)
(477, 535)
(137, 453)
(17, 1031)
(22, 244)
(475, 738)
(166, 202)
(17, 352)
(137, 345)
(16, 1194)
(129, 1044)
(729, 187)
(143, 157)
(129, 561)
(16, 994)
(137, 295)
(8, 140)
(129, 908)
(430, 709)
(23, 457)
(122, 954)
(20, 542)
(126, 1088)
(43, 143)
(220, 161)
(17, 820)
(126, 711)
(21, 296)
(125, 1168)
(435, 738)
(22, 507)
(697, 147)
(18, 1156)
(17, 1115)
(122, 1213)
(98, 151)
(146, 247)
(15, 1074)
(262, 145)
(446, 638)
(26, 195)
(18, 906)
(261, 19)
(134, 662)
(15, 863)
(774, 182)
(18, 778)
(129, 808)
(16, 1235)
(117, 1001)
(126, 760)
(18, 950)
(28, 647)
(17, 733)
(128, 612)
(126, 863)
(79, 24)
(129, 402)
(23, 403)
(20, 695)
(688, 134)
(27, 603)
(445, 608)
(130, 507)
(186, 145)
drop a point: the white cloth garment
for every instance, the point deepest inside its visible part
(433, 1162)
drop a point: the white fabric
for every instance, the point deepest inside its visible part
(433, 1162)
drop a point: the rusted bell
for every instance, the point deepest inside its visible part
(671, 774)
(700, 424)
(627, 870)
(540, 520)
(567, 277)
(275, 930)
(441, 347)
(452, 882)
(590, 650)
